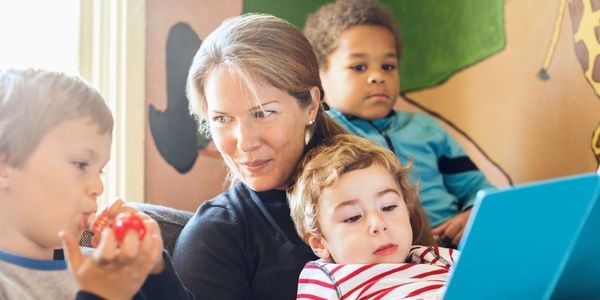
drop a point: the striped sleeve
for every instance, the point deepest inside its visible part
(314, 283)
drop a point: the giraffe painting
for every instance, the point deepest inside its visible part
(585, 19)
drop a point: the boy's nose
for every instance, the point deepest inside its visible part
(376, 79)
(95, 187)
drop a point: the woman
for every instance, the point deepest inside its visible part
(255, 86)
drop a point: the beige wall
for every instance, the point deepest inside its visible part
(534, 129)
(164, 185)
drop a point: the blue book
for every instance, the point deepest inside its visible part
(534, 241)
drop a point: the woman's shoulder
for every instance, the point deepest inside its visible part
(227, 207)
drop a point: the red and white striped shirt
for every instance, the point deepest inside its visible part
(423, 276)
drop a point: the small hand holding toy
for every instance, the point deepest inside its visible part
(128, 247)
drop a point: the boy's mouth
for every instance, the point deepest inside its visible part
(386, 250)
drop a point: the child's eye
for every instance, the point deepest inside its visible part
(388, 67)
(359, 67)
(262, 114)
(352, 219)
(389, 207)
(81, 165)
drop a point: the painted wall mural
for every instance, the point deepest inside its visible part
(473, 65)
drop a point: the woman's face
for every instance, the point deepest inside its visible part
(260, 136)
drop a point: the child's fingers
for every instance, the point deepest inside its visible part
(458, 236)
(130, 248)
(156, 262)
(71, 249)
(107, 249)
(439, 231)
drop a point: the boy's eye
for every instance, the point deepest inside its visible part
(81, 165)
(388, 67)
(352, 219)
(262, 114)
(389, 207)
(359, 67)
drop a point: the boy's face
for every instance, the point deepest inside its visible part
(363, 219)
(54, 189)
(360, 76)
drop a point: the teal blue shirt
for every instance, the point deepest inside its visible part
(448, 180)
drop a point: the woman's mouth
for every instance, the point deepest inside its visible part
(386, 250)
(255, 165)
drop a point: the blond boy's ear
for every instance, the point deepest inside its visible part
(319, 246)
(4, 171)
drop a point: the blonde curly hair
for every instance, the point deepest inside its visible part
(324, 165)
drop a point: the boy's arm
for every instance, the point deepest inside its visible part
(314, 283)
(462, 179)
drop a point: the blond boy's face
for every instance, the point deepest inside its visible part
(360, 76)
(363, 219)
(54, 189)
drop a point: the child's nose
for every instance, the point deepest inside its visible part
(376, 78)
(377, 225)
(95, 187)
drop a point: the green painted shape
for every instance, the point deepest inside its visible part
(440, 37)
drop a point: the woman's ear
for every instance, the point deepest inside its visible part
(313, 108)
(319, 246)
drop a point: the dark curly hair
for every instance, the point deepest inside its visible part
(324, 27)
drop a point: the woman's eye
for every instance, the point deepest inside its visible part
(220, 119)
(352, 219)
(261, 114)
(359, 67)
(388, 67)
(389, 207)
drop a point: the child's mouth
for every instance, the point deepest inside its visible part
(386, 250)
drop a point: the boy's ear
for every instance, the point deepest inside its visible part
(4, 171)
(319, 246)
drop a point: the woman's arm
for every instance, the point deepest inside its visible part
(209, 255)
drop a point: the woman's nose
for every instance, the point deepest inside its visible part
(247, 138)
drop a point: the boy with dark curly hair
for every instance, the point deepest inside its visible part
(358, 46)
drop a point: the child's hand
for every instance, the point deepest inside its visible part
(452, 230)
(106, 219)
(112, 271)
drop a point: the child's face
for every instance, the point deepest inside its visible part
(54, 189)
(360, 76)
(363, 219)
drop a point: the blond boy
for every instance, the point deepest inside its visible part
(55, 138)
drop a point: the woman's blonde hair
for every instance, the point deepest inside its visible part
(259, 47)
(324, 165)
(33, 102)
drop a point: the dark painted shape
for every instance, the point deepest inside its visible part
(174, 130)
(581, 52)
(576, 12)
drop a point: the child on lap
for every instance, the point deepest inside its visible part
(353, 204)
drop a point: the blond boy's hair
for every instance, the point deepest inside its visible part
(324, 27)
(323, 166)
(33, 102)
